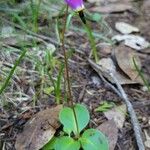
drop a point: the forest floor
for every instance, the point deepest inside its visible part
(30, 89)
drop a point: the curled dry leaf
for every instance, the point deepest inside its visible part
(134, 41)
(117, 114)
(111, 131)
(124, 57)
(39, 130)
(105, 65)
(125, 28)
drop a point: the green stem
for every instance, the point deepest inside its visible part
(92, 42)
(12, 71)
(69, 93)
(35, 14)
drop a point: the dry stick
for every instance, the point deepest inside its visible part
(121, 93)
(134, 120)
(69, 94)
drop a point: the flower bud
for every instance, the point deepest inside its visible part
(76, 5)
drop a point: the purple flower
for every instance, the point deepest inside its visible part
(76, 5)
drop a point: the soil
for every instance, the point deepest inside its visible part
(90, 93)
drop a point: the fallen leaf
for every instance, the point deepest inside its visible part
(124, 57)
(107, 64)
(39, 130)
(147, 142)
(134, 41)
(117, 114)
(105, 48)
(112, 8)
(111, 131)
(125, 28)
(146, 8)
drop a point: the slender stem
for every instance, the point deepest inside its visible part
(92, 42)
(69, 93)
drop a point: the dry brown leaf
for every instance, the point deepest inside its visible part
(124, 57)
(111, 131)
(39, 130)
(134, 41)
(112, 8)
(105, 65)
(125, 28)
(117, 114)
(147, 142)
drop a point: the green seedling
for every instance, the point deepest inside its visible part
(51, 62)
(105, 106)
(75, 136)
(75, 117)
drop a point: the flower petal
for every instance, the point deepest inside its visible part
(76, 5)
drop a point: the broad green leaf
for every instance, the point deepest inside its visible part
(50, 145)
(67, 118)
(67, 143)
(93, 139)
(83, 116)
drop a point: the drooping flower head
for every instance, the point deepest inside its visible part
(76, 5)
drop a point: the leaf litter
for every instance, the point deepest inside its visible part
(39, 130)
(110, 129)
(110, 7)
(124, 57)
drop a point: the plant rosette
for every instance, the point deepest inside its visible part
(90, 139)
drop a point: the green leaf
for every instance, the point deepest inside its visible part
(93, 139)
(67, 118)
(83, 116)
(67, 143)
(69, 19)
(50, 145)
(105, 106)
(96, 17)
(48, 90)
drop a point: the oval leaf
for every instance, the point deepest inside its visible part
(67, 143)
(67, 118)
(50, 145)
(83, 116)
(94, 140)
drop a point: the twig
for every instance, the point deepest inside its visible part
(134, 120)
(121, 93)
